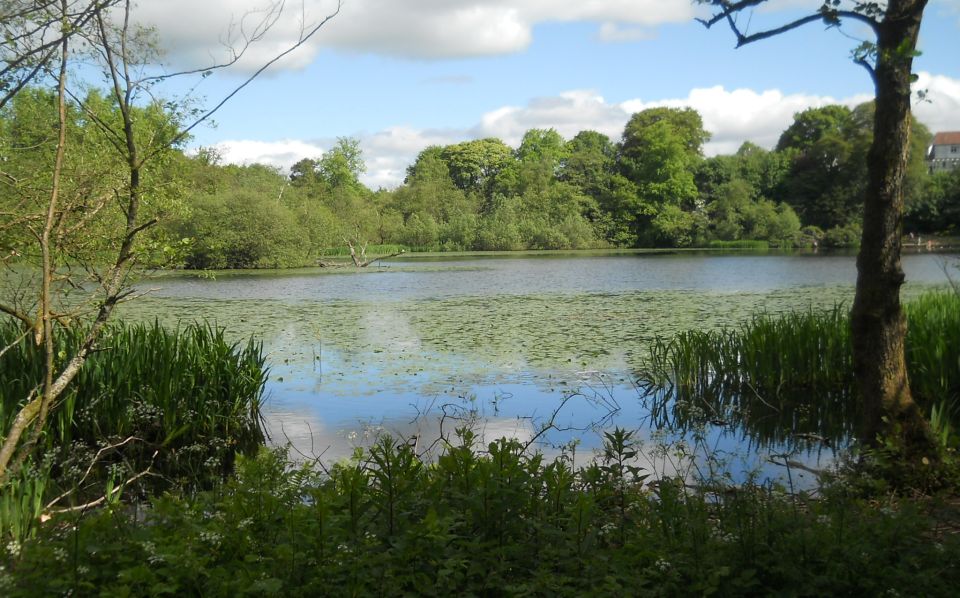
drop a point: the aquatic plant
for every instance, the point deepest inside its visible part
(739, 244)
(173, 405)
(790, 376)
(372, 250)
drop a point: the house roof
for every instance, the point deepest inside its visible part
(947, 138)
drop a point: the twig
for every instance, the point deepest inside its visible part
(93, 463)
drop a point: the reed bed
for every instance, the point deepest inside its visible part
(372, 250)
(933, 349)
(788, 376)
(759, 376)
(181, 403)
(739, 244)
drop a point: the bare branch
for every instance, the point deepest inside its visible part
(93, 463)
(868, 67)
(16, 313)
(272, 15)
(830, 16)
(14, 343)
(46, 50)
(108, 495)
(304, 37)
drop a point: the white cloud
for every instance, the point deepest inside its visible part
(280, 154)
(568, 113)
(191, 30)
(733, 116)
(616, 33)
(743, 114)
(387, 153)
(940, 111)
(198, 34)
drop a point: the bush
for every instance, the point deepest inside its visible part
(842, 236)
(497, 521)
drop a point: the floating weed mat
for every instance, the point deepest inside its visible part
(181, 403)
(789, 378)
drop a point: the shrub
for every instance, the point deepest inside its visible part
(496, 521)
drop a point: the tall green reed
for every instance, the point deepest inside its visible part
(181, 403)
(789, 377)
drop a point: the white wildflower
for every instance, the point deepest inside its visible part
(13, 548)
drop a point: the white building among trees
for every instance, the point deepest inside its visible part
(945, 152)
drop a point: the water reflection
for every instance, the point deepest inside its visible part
(509, 339)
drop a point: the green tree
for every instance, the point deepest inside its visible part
(248, 219)
(540, 145)
(660, 150)
(304, 172)
(589, 163)
(538, 161)
(762, 169)
(429, 188)
(140, 133)
(342, 165)
(827, 152)
(658, 153)
(937, 207)
(474, 165)
(878, 325)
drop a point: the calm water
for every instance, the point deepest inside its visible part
(502, 340)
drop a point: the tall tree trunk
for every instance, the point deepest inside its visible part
(877, 319)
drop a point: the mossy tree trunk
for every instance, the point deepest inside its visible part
(877, 319)
(878, 325)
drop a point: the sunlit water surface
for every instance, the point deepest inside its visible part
(418, 346)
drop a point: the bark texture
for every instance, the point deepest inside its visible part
(877, 319)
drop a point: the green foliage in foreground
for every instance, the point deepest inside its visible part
(182, 403)
(787, 376)
(499, 521)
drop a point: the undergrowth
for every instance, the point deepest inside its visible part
(175, 404)
(488, 521)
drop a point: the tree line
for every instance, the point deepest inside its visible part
(652, 188)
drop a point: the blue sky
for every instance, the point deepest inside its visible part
(402, 74)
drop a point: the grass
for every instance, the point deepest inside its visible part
(739, 244)
(372, 250)
(789, 376)
(182, 402)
